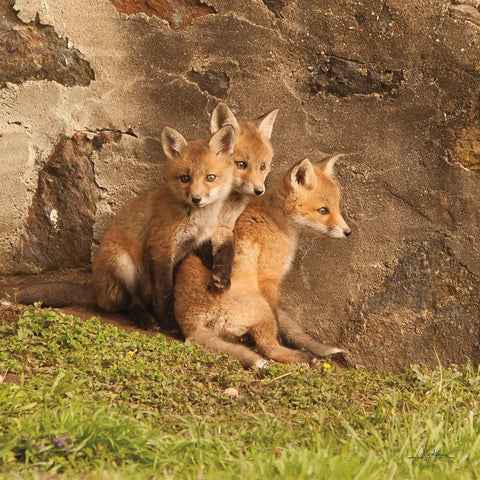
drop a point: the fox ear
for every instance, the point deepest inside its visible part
(173, 143)
(223, 141)
(303, 174)
(265, 123)
(328, 163)
(222, 115)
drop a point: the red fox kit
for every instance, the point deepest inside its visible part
(126, 262)
(153, 232)
(266, 237)
(252, 158)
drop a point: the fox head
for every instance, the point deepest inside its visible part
(253, 151)
(199, 172)
(312, 198)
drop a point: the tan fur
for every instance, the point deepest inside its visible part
(252, 157)
(266, 236)
(153, 232)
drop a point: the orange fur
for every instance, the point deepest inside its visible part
(253, 159)
(266, 237)
(153, 232)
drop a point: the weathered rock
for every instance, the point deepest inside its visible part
(466, 150)
(428, 305)
(465, 12)
(275, 6)
(343, 77)
(214, 83)
(178, 13)
(35, 52)
(59, 227)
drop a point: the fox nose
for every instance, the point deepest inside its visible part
(196, 200)
(347, 233)
(258, 192)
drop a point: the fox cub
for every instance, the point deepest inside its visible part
(206, 190)
(252, 158)
(133, 271)
(266, 238)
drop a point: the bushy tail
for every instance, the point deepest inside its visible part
(55, 294)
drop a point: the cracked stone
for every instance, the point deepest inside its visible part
(465, 12)
(276, 6)
(215, 83)
(35, 52)
(178, 13)
(466, 149)
(59, 226)
(429, 297)
(342, 77)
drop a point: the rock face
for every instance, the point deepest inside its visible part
(59, 226)
(86, 90)
(35, 52)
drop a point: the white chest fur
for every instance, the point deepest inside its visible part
(195, 229)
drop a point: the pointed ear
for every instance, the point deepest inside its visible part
(223, 141)
(303, 174)
(265, 123)
(328, 163)
(173, 143)
(222, 115)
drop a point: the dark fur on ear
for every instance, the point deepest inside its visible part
(223, 141)
(222, 115)
(173, 143)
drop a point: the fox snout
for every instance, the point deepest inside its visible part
(340, 229)
(253, 189)
(198, 200)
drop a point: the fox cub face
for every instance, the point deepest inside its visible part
(313, 201)
(199, 172)
(253, 151)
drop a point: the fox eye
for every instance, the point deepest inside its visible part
(185, 178)
(263, 166)
(241, 165)
(323, 211)
(211, 177)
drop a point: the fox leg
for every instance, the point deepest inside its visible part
(222, 264)
(161, 275)
(293, 334)
(264, 334)
(215, 344)
(217, 255)
(119, 288)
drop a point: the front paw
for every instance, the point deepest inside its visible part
(220, 283)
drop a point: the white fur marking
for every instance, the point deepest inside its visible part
(261, 363)
(127, 270)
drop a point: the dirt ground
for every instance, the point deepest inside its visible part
(8, 284)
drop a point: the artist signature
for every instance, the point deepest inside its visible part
(433, 455)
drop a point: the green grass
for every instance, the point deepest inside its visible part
(89, 401)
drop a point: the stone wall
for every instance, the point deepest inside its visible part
(86, 88)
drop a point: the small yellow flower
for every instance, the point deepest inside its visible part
(326, 366)
(131, 353)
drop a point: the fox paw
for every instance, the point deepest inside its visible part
(219, 283)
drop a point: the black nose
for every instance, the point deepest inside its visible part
(196, 200)
(347, 233)
(258, 192)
